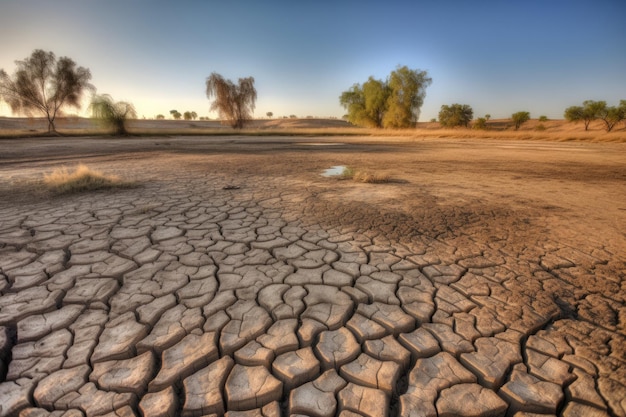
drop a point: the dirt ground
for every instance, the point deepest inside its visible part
(542, 224)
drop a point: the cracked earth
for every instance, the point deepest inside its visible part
(485, 279)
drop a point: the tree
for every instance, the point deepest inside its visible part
(113, 114)
(234, 103)
(176, 114)
(269, 114)
(366, 104)
(45, 85)
(520, 118)
(160, 117)
(408, 90)
(455, 115)
(543, 118)
(611, 115)
(393, 103)
(194, 115)
(587, 113)
(480, 124)
(187, 115)
(487, 116)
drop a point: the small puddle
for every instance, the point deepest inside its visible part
(334, 171)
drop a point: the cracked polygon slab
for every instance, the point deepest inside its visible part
(35, 300)
(203, 389)
(370, 372)
(575, 409)
(364, 328)
(39, 358)
(449, 340)
(391, 317)
(368, 402)
(296, 367)
(250, 387)
(159, 404)
(93, 401)
(119, 338)
(428, 377)
(420, 342)
(36, 326)
(548, 368)
(492, 360)
(317, 398)
(128, 375)
(525, 392)
(248, 321)
(15, 396)
(388, 349)
(191, 354)
(60, 383)
(173, 325)
(583, 390)
(336, 348)
(281, 336)
(94, 292)
(470, 400)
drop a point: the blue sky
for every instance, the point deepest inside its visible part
(499, 56)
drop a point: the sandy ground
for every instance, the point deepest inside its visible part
(475, 243)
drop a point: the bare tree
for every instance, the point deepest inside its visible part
(45, 85)
(234, 103)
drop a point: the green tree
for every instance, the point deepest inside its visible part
(45, 85)
(269, 114)
(480, 124)
(366, 104)
(234, 103)
(520, 118)
(194, 115)
(187, 115)
(455, 115)
(394, 103)
(408, 90)
(175, 114)
(111, 113)
(588, 112)
(612, 115)
(160, 117)
(543, 118)
(487, 116)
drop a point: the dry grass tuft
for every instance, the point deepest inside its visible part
(364, 176)
(83, 178)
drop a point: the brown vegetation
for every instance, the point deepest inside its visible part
(553, 130)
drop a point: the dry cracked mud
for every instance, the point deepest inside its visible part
(485, 279)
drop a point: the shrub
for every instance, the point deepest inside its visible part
(83, 178)
(364, 176)
(520, 118)
(543, 118)
(480, 124)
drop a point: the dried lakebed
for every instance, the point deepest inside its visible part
(441, 293)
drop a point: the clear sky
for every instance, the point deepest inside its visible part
(499, 56)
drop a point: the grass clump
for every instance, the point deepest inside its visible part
(82, 178)
(364, 176)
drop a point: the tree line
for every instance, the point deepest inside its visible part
(44, 84)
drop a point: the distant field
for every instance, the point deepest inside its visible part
(556, 130)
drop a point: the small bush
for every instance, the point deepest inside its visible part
(83, 178)
(543, 118)
(364, 176)
(480, 123)
(540, 127)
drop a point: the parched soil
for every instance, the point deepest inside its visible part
(484, 278)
